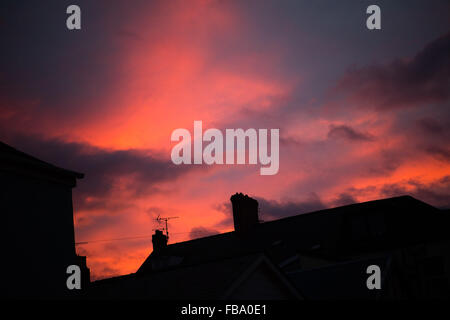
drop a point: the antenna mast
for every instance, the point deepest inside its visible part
(165, 219)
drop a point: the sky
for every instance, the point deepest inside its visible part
(363, 114)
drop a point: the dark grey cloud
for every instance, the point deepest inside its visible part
(88, 225)
(344, 199)
(200, 232)
(404, 82)
(439, 152)
(227, 210)
(291, 141)
(432, 136)
(431, 126)
(96, 203)
(144, 169)
(348, 133)
(387, 161)
(272, 209)
(436, 193)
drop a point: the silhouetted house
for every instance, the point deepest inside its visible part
(251, 276)
(319, 255)
(38, 232)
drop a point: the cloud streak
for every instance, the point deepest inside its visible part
(348, 133)
(134, 172)
(105, 100)
(423, 79)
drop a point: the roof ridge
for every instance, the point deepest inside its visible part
(36, 161)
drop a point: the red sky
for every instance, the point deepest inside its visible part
(362, 115)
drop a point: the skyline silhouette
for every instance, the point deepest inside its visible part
(319, 255)
(363, 114)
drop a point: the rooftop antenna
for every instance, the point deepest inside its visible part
(165, 219)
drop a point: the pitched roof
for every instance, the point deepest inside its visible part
(213, 280)
(16, 161)
(330, 234)
(346, 280)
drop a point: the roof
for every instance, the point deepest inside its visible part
(13, 160)
(327, 234)
(213, 280)
(318, 255)
(345, 280)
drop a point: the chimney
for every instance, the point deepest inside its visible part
(159, 240)
(245, 212)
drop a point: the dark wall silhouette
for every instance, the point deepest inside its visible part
(38, 231)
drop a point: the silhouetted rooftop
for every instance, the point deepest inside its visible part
(334, 234)
(212, 280)
(17, 161)
(346, 280)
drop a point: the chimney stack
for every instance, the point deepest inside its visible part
(159, 240)
(245, 212)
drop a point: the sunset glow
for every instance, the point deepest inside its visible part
(106, 100)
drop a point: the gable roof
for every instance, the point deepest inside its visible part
(213, 280)
(13, 160)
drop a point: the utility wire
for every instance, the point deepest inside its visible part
(129, 238)
(115, 239)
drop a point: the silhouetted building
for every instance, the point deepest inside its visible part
(319, 255)
(38, 232)
(251, 276)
